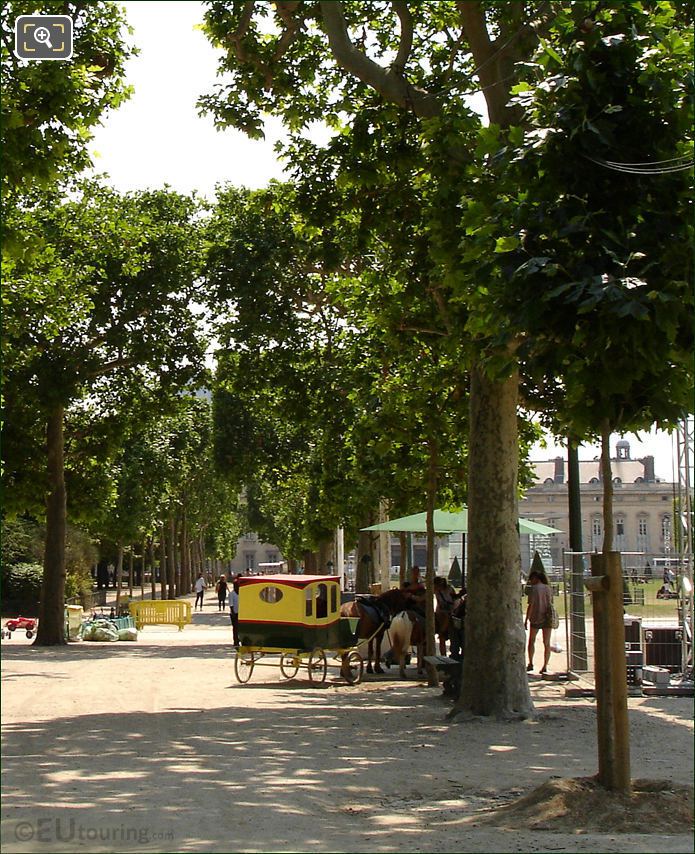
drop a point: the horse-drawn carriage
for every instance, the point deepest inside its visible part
(295, 617)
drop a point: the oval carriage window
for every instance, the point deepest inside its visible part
(271, 594)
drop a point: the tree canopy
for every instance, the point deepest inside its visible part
(49, 109)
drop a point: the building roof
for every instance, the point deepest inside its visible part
(629, 471)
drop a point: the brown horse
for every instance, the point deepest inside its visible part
(372, 624)
(407, 629)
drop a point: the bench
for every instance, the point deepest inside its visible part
(166, 612)
(450, 672)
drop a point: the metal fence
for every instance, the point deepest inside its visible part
(658, 615)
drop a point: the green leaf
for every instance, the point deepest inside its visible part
(506, 244)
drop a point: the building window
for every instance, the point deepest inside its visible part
(593, 480)
(642, 526)
(666, 531)
(596, 532)
(271, 557)
(620, 527)
(250, 560)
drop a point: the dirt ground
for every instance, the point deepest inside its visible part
(154, 746)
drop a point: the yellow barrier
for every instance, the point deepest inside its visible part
(169, 612)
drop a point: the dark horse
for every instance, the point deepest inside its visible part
(374, 614)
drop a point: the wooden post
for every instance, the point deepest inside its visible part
(610, 672)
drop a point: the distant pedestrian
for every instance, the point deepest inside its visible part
(234, 610)
(222, 590)
(539, 616)
(444, 595)
(199, 588)
(457, 635)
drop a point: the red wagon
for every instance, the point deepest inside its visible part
(27, 624)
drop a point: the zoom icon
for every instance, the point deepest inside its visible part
(38, 37)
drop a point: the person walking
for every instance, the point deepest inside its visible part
(234, 611)
(539, 616)
(199, 588)
(444, 595)
(222, 591)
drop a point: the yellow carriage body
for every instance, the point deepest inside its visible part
(299, 612)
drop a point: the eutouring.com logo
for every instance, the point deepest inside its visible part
(40, 37)
(70, 830)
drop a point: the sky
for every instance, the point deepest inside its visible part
(157, 138)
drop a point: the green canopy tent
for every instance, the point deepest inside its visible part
(446, 522)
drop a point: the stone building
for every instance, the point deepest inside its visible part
(250, 552)
(642, 507)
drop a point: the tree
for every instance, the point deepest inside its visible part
(609, 246)
(318, 44)
(323, 389)
(345, 63)
(98, 305)
(50, 108)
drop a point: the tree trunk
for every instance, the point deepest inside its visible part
(363, 570)
(607, 478)
(185, 562)
(384, 548)
(163, 569)
(171, 563)
(131, 569)
(495, 682)
(153, 580)
(403, 568)
(579, 660)
(143, 564)
(51, 628)
(323, 556)
(430, 649)
(119, 575)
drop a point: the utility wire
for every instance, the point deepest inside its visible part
(629, 169)
(652, 163)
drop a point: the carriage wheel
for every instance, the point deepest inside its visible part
(354, 668)
(30, 634)
(289, 665)
(243, 666)
(317, 666)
